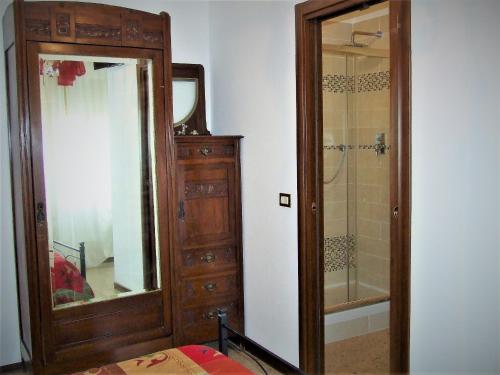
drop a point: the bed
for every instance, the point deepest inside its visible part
(200, 359)
(68, 272)
(191, 359)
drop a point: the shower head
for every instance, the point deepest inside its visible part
(379, 34)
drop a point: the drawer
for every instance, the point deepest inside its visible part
(200, 324)
(203, 290)
(205, 151)
(215, 259)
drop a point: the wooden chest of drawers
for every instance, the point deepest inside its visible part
(207, 272)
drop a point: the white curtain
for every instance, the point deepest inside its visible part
(76, 145)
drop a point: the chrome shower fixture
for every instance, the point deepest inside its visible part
(379, 34)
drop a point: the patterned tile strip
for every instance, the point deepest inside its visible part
(368, 82)
(337, 250)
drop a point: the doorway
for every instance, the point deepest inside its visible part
(353, 66)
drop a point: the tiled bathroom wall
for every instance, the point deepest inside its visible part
(356, 202)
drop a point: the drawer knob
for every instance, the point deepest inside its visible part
(210, 287)
(208, 258)
(205, 151)
(210, 315)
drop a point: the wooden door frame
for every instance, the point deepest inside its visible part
(309, 140)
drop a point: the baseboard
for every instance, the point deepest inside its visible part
(122, 289)
(11, 367)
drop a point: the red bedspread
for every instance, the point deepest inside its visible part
(192, 359)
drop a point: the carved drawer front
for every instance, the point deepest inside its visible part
(202, 290)
(205, 151)
(208, 259)
(199, 324)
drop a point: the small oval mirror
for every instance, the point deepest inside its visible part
(185, 93)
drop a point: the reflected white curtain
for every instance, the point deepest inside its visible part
(76, 139)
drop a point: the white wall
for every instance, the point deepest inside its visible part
(455, 244)
(252, 46)
(9, 323)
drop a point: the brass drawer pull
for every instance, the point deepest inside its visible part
(208, 258)
(205, 151)
(210, 315)
(210, 287)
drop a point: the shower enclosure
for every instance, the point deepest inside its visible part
(356, 145)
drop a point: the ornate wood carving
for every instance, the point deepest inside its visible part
(63, 24)
(132, 29)
(194, 190)
(38, 27)
(153, 36)
(98, 31)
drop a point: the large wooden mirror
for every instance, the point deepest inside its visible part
(96, 128)
(98, 148)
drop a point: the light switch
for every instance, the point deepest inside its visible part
(285, 200)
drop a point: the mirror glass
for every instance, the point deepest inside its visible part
(99, 169)
(185, 93)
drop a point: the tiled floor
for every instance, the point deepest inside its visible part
(101, 280)
(367, 354)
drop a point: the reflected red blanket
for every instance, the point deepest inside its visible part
(68, 285)
(192, 359)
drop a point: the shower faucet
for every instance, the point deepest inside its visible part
(380, 145)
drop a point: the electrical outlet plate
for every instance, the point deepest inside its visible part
(285, 200)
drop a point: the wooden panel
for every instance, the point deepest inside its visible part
(199, 324)
(37, 22)
(88, 23)
(102, 27)
(62, 23)
(211, 259)
(206, 204)
(17, 200)
(152, 35)
(135, 318)
(202, 290)
(107, 351)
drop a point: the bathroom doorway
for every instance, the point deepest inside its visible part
(353, 145)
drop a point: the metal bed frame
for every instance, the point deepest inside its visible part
(230, 337)
(81, 257)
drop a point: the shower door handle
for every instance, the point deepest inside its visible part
(395, 212)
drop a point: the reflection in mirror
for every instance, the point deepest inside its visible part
(185, 93)
(100, 185)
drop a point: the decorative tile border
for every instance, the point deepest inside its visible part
(369, 82)
(337, 83)
(373, 82)
(337, 251)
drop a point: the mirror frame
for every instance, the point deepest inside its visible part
(156, 302)
(196, 122)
